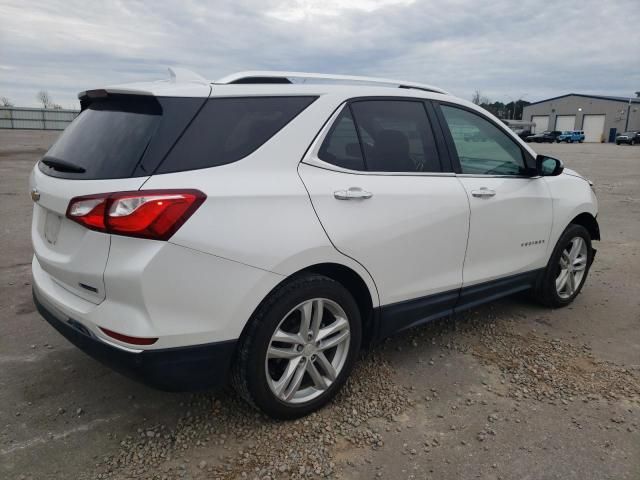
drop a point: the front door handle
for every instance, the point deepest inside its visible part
(483, 192)
(353, 193)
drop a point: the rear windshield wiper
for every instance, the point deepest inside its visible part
(62, 166)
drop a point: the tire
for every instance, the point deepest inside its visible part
(257, 377)
(547, 291)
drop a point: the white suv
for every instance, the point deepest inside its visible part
(264, 226)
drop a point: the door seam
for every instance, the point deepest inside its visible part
(329, 238)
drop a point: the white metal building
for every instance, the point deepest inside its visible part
(601, 117)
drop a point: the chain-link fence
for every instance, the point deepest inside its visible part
(36, 118)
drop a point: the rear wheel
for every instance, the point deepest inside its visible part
(299, 348)
(567, 269)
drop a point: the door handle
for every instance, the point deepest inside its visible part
(483, 192)
(353, 193)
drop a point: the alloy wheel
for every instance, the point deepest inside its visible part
(307, 350)
(572, 267)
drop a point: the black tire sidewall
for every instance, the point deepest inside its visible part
(549, 292)
(304, 288)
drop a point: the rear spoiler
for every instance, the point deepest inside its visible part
(89, 96)
(177, 76)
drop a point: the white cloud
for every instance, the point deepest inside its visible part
(502, 48)
(298, 10)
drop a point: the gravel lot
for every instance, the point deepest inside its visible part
(508, 391)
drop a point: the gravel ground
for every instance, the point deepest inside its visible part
(507, 391)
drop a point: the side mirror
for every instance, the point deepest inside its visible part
(548, 166)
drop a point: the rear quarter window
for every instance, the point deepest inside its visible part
(229, 129)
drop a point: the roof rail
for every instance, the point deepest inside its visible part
(285, 77)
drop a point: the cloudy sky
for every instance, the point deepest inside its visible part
(505, 49)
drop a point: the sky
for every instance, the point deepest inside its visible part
(505, 49)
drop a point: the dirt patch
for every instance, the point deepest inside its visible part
(262, 448)
(551, 369)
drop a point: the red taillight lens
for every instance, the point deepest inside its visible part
(155, 214)
(129, 339)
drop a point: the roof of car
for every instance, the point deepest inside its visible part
(185, 83)
(281, 77)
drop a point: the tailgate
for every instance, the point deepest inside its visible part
(112, 146)
(74, 256)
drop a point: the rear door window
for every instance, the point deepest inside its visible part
(228, 129)
(396, 136)
(341, 146)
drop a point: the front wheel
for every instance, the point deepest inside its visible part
(567, 269)
(299, 347)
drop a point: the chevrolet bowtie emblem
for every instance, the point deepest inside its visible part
(35, 194)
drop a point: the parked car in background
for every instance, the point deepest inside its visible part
(256, 229)
(544, 137)
(524, 134)
(519, 127)
(570, 136)
(630, 138)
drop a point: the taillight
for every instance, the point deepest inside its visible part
(155, 214)
(129, 339)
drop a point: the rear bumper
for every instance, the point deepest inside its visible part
(172, 369)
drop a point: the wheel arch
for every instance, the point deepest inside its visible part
(589, 222)
(356, 285)
(348, 278)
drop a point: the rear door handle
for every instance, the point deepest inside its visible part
(353, 193)
(483, 192)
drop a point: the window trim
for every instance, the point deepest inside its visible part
(312, 158)
(529, 160)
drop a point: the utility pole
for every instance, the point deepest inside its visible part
(626, 125)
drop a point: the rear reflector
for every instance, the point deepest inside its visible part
(128, 339)
(154, 214)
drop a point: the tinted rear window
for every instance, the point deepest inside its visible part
(341, 147)
(396, 136)
(228, 129)
(120, 136)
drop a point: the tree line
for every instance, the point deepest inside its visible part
(512, 110)
(42, 96)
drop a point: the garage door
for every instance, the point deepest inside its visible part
(542, 123)
(565, 122)
(593, 126)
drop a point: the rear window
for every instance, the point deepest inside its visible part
(119, 136)
(228, 129)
